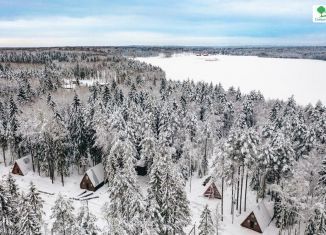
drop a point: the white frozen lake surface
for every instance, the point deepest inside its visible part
(274, 77)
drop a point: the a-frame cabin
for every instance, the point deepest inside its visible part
(258, 219)
(22, 166)
(93, 178)
(211, 191)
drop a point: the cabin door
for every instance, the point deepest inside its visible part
(252, 224)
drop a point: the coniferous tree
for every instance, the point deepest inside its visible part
(12, 135)
(28, 223)
(322, 173)
(77, 130)
(14, 195)
(166, 197)
(62, 213)
(126, 202)
(85, 221)
(5, 210)
(206, 225)
(3, 131)
(148, 149)
(35, 201)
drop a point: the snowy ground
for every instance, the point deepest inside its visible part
(71, 189)
(276, 78)
(198, 201)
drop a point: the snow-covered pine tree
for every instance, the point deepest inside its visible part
(275, 111)
(35, 201)
(121, 151)
(227, 118)
(154, 200)
(302, 138)
(187, 160)
(203, 150)
(134, 126)
(283, 157)
(206, 225)
(109, 129)
(248, 111)
(3, 131)
(263, 169)
(95, 153)
(316, 223)
(62, 214)
(126, 200)
(77, 130)
(14, 195)
(148, 148)
(322, 174)
(12, 126)
(167, 199)
(86, 221)
(12, 187)
(106, 96)
(5, 210)
(60, 146)
(29, 222)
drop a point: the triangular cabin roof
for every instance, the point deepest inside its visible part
(25, 164)
(261, 215)
(96, 174)
(211, 190)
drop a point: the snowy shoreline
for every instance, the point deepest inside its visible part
(303, 78)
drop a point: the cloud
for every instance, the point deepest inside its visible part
(63, 22)
(185, 22)
(124, 38)
(254, 8)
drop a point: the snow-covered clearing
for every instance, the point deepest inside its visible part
(198, 201)
(274, 77)
(70, 190)
(195, 196)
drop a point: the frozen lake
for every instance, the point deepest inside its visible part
(274, 77)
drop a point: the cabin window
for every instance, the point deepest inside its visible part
(86, 177)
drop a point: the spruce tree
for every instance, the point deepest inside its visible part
(14, 195)
(12, 135)
(29, 222)
(166, 196)
(3, 131)
(35, 201)
(86, 221)
(62, 214)
(5, 210)
(322, 173)
(126, 200)
(206, 225)
(77, 130)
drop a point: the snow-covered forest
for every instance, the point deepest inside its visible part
(126, 115)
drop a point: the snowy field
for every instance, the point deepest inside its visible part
(274, 77)
(195, 196)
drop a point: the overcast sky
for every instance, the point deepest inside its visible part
(160, 22)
